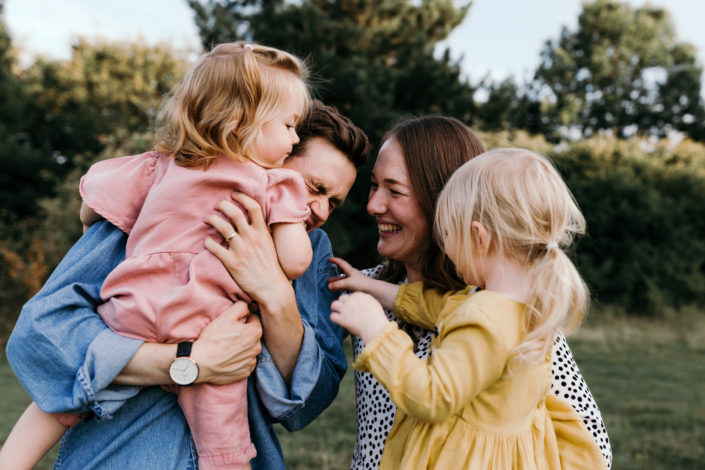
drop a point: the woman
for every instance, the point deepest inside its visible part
(417, 157)
(297, 375)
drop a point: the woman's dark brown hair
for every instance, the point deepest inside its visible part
(434, 146)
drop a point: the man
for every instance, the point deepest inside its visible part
(65, 356)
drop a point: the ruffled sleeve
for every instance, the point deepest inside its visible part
(285, 197)
(116, 188)
(470, 356)
(420, 306)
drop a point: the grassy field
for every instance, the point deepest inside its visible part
(647, 377)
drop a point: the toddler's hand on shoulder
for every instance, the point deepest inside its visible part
(351, 279)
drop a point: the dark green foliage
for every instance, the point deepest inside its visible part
(21, 180)
(646, 215)
(507, 108)
(59, 109)
(622, 71)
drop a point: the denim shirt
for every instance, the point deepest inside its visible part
(65, 357)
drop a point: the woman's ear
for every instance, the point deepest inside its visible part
(480, 234)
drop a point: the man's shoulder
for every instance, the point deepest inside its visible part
(319, 239)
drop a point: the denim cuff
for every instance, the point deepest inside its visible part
(280, 400)
(106, 356)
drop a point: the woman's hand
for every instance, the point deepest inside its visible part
(227, 349)
(360, 314)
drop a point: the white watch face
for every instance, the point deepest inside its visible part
(183, 371)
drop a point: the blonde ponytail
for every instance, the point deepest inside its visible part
(531, 217)
(558, 299)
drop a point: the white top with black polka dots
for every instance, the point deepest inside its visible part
(375, 410)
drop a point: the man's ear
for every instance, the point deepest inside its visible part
(481, 237)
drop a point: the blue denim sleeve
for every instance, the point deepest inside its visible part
(322, 363)
(60, 349)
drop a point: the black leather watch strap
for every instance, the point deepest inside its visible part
(184, 349)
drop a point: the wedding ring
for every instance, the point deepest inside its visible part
(230, 237)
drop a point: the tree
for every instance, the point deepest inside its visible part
(55, 119)
(375, 61)
(56, 111)
(107, 88)
(508, 107)
(623, 71)
(21, 180)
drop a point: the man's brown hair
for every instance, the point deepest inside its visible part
(326, 122)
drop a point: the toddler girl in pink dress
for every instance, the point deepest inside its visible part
(228, 126)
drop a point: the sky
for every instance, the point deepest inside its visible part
(498, 38)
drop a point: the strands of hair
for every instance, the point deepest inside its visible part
(530, 215)
(221, 104)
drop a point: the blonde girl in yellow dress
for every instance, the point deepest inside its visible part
(479, 402)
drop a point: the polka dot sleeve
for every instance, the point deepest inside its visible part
(569, 384)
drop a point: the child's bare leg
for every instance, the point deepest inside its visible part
(34, 434)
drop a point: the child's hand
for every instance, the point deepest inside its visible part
(351, 279)
(360, 314)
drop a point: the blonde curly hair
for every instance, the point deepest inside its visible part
(221, 104)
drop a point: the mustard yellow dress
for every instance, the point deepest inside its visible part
(461, 408)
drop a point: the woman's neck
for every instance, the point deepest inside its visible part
(413, 273)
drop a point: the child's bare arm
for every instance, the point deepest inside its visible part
(293, 248)
(88, 216)
(353, 280)
(34, 434)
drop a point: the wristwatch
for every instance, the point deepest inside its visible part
(184, 370)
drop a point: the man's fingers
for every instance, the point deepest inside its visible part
(238, 311)
(222, 226)
(217, 249)
(234, 213)
(252, 207)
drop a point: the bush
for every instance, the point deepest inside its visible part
(644, 202)
(31, 247)
(645, 207)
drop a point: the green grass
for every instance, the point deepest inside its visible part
(649, 381)
(647, 377)
(14, 401)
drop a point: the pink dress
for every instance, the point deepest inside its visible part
(169, 286)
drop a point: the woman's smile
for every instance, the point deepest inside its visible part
(387, 229)
(402, 226)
